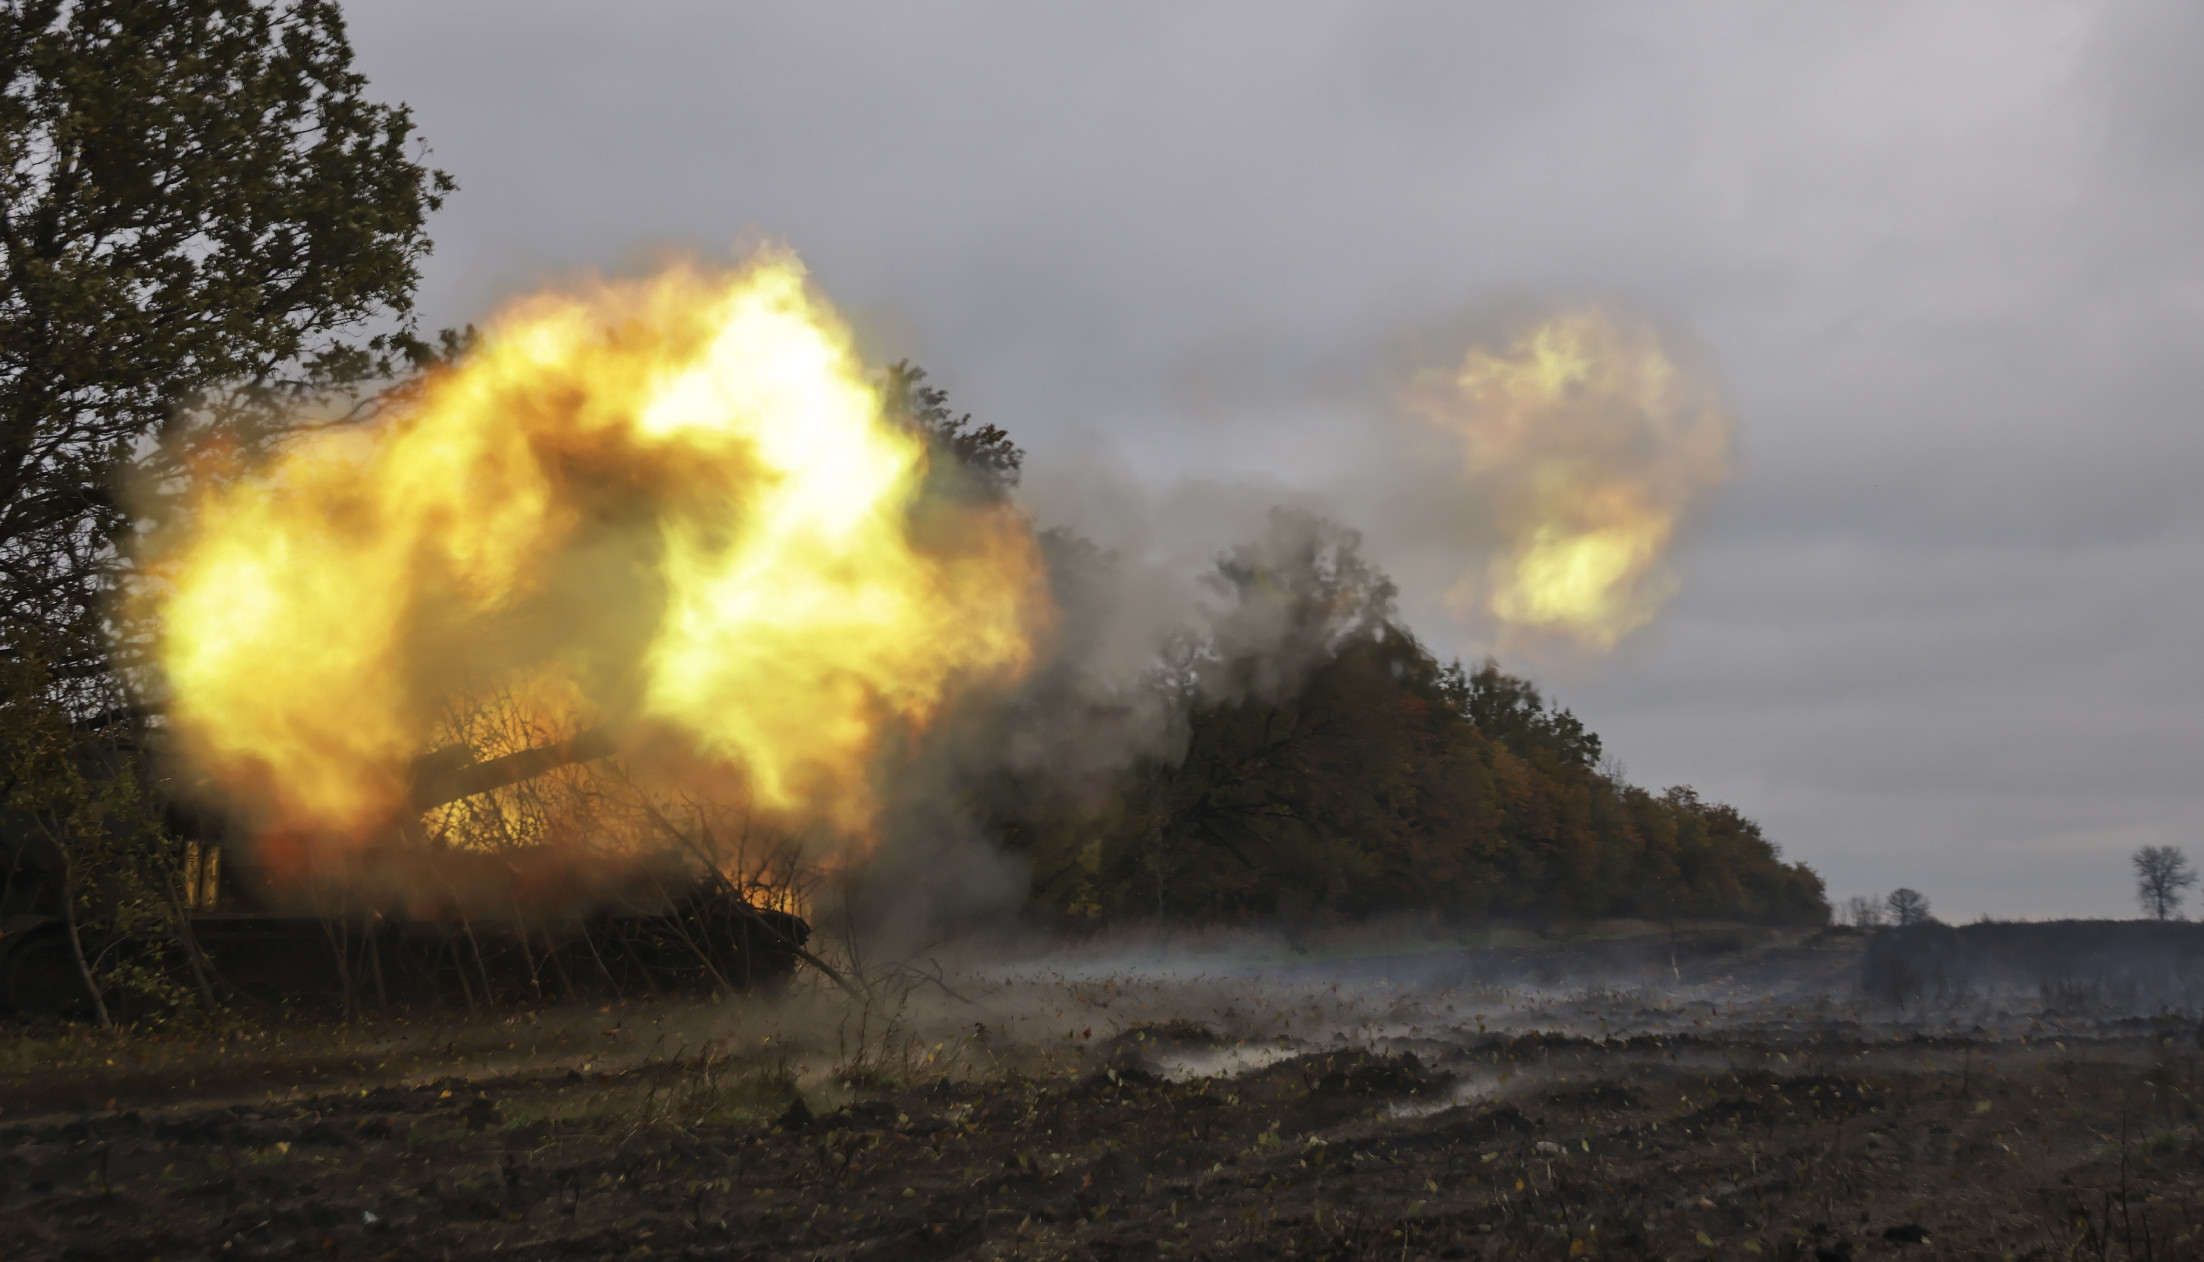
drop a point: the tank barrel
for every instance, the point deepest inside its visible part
(436, 785)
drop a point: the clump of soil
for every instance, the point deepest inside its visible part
(1359, 1073)
(1129, 1056)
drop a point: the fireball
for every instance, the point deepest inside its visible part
(1588, 441)
(675, 509)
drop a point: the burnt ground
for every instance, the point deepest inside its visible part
(1799, 1141)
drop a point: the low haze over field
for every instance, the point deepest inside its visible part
(1938, 627)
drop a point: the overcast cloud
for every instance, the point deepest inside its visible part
(1943, 627)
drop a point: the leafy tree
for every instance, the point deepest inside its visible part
(76, 812)
(2162, 873)
(1908, 907)
(970, 461)
(1332, 766)
(1509, 710)
(198, 204)
(207, 231)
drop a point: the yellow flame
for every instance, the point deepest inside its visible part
(1589, 442)
(674, 504)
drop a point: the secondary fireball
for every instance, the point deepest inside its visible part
(1587, 442)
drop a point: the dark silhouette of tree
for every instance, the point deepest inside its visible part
(198, 204)
(1510, 710)
(2162, 873)
(1908, 907)
(970, 461)
(205, 224)
(1333, 767)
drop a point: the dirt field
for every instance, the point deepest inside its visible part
(1098, 1114)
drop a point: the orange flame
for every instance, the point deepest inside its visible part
(1590, 441)
(673, 505)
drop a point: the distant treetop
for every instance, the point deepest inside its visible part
(975, 461)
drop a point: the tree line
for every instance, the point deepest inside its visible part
(1342, 769)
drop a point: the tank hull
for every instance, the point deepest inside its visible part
(705, 944)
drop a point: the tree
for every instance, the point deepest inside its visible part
(2161, 874)
(1908, 907)
(1510, 710)
(207, 232)
(196, 198)
(75, 811)
(970, 461)
(1319, 760)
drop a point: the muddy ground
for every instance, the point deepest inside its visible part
(1108, 1112)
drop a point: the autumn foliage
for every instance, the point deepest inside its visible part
(1375, 779)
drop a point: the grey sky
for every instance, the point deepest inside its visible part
(1941, 630)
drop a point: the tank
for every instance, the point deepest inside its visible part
(695, 940)
(405, 925)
